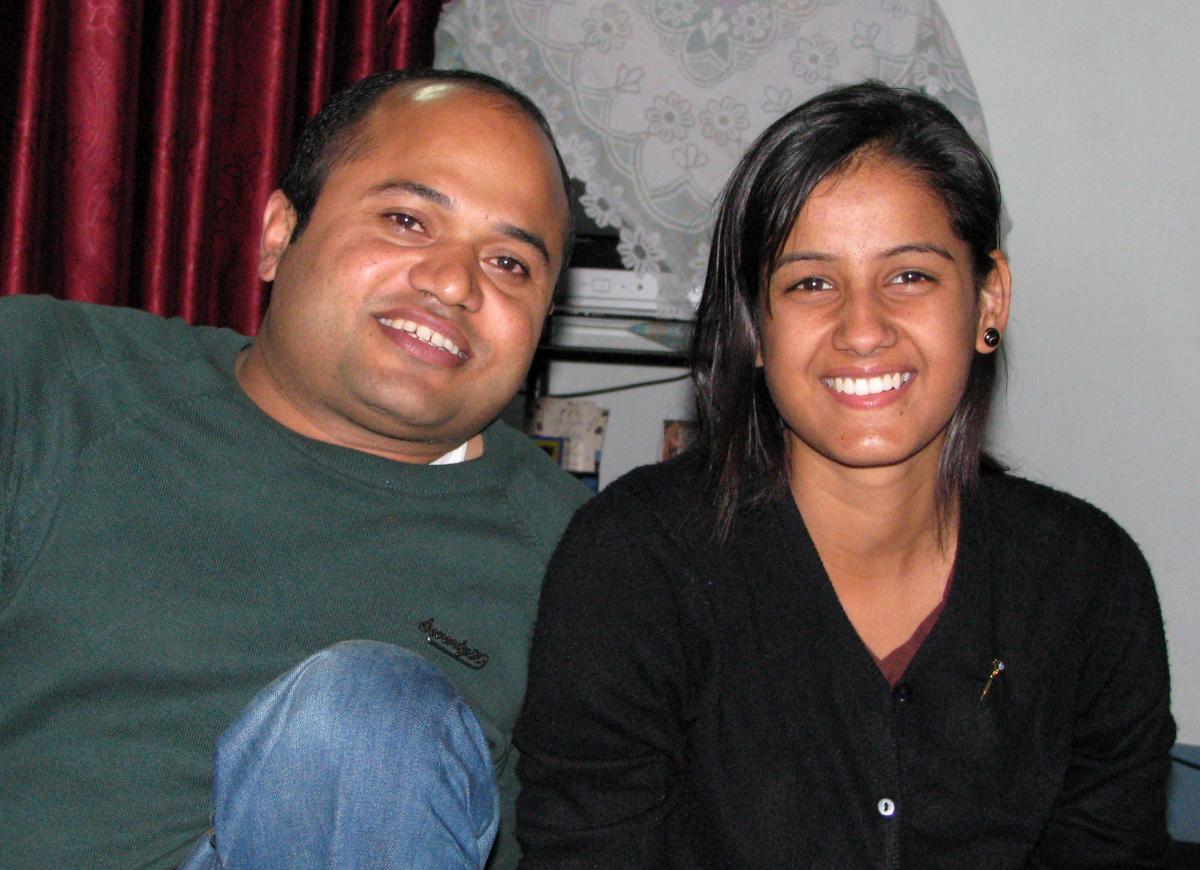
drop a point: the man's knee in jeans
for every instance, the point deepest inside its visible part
(363, 752)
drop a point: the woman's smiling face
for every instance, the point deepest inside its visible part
(870, 320)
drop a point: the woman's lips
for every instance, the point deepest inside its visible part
(869, 385)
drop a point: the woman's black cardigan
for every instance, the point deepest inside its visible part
(694, 705)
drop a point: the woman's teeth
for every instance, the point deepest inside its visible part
(868, 386)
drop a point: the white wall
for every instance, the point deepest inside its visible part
(1093, 110)
(635, 420)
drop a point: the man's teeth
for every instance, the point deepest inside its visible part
(868, 386)
(424, 333)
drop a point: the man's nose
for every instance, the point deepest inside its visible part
(448, 273)
(864, 325)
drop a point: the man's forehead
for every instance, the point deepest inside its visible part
(457, 112)
(392, 113)
(430, 91)
(431, 111)
(448, 97)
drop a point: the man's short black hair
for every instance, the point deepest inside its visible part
(332, 134)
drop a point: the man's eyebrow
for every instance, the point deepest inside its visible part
(521, 235)
(432, 194)
(424, 191)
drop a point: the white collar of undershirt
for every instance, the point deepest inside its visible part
(458, 454)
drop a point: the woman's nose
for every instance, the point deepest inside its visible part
(864, 326)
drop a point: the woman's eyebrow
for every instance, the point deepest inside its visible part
(803, 256)
(822, 257)
(918, 248)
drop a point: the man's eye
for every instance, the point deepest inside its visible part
(405, 221)
(510, 264)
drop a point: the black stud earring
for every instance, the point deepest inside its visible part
(991, 336)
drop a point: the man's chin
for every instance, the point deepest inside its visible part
(428, 432)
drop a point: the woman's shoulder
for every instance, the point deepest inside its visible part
(660, 487)
(661, 501)
(1045, 532)
(1041, 510)
(681, 477)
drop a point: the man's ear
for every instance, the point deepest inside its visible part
(994, 299)
(279, 220)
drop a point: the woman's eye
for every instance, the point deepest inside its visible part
(510, 264)
(910, 276)
(405, 221)
(812, 284)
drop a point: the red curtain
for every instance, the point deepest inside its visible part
(147, 135)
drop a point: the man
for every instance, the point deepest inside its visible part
(187, 515)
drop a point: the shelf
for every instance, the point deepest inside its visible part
(606, 338)
(629, 337)
(568, 353)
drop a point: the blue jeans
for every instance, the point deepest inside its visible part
(363, 755)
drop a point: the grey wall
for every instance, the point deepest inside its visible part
(1093, 111)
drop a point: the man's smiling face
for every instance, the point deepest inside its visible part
(406, 313)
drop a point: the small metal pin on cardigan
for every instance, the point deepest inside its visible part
(997, 669)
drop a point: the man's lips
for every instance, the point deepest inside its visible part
(431, 332)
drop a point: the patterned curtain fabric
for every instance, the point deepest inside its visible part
(654, 101)
(146, 136)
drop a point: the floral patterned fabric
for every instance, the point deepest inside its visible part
(654, 101)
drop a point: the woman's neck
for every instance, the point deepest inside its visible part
(874, 522)
(886, 548)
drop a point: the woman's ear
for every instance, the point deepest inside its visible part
(995, 297)
(279, 220)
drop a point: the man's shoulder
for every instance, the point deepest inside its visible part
(521, 484)
(536, 472)
(31, 321)
(85, 335)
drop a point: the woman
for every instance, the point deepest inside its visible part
(824, 637)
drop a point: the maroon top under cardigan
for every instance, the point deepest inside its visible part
(894, 664)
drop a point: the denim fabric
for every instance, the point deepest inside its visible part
(362, 756)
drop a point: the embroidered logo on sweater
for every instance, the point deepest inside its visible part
(459, 650)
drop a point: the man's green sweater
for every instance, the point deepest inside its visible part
(168, 550)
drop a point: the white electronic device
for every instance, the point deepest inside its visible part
(610, 289)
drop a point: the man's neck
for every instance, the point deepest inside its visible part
(254, 377)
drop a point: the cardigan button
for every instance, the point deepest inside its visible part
(886, 807)
(902, 693)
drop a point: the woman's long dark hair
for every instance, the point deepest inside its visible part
(742, 435)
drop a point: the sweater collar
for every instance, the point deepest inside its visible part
(773, 546)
